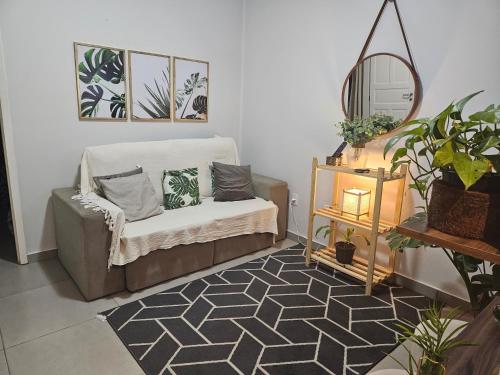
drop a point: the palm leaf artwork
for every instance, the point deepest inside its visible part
(99, 63)
(159, 101)
(191, 171)
(99, 73)
(191, 85)
(90, 100)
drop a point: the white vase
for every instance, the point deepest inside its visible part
(357, 156)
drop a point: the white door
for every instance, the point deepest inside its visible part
(392, 88)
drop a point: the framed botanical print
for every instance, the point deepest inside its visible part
(191, 90)
(149, 82)
(100, 82)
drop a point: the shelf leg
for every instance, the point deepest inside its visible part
(312, 206)
(374, 232)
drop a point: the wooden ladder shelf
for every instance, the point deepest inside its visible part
(362, 269)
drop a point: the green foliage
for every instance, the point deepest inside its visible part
(432, 338)
(470, 147)
(172, 201)
(159, 101)
(397, 241)
(179, 184)
(348, 235)
(90, 100)
(359, 131)
(190, 86)
(101, 65)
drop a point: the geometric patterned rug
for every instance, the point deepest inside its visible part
(270, 316)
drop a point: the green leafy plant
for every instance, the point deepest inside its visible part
(101, 65)
(347, 236)
(470, 147)
(359, 131)
(434, 338)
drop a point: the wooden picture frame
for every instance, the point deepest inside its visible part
(101, 82)
(191, 88)
(150, 86)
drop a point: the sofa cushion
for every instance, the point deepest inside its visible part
(180, 188)
(232, 182)
(206, 222)
(98, 179)
(134, 194)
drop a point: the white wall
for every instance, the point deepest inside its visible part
(297, 54)
(38, 48)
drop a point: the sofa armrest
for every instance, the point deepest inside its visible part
(83, 241)
(277, 191)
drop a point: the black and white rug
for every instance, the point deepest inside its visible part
(269, 316)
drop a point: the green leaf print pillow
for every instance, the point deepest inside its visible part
(180, 188)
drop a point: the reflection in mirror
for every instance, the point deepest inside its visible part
(381, 83)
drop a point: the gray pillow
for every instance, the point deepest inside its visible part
(232, 182)
(98, 179)
(135, 195)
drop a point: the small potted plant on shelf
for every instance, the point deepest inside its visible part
(357, 132)
(429, 342)
(458, 160)
(344, 250)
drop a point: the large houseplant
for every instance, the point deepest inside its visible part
(458, 159)
(357, 132)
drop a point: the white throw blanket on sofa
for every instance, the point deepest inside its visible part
(218, 219)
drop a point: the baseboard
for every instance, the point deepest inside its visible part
(42, 255)
(405, 281)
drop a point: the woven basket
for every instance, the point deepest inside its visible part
(463, 213)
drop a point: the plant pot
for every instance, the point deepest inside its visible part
(465, 213)
(357, 156)
(489, 183)
(344, 251)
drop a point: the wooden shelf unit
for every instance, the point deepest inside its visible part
(362, 269)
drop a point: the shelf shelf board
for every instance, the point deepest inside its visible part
(358, 269)
(371, 174)
(335, 214)
(475, 248)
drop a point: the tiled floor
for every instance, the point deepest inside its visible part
(48, 328)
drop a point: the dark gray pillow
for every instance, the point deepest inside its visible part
(232, 182)
(135, 195)
(98, 179)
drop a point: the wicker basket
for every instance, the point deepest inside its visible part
(463, 213)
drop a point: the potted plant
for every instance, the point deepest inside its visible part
(344, 250)
(434, 337)
(357, 132)
(458, 160)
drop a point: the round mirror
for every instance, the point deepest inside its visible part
(381, 83)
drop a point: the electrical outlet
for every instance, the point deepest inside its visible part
(295, 199)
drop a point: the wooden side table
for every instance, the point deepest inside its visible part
(484, 357)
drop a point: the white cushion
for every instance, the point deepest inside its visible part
(206, 222)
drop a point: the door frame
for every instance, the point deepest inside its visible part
(10, 163)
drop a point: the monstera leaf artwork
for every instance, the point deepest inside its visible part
(100, 82)
(191, 89)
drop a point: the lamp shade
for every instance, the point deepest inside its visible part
(356, 202)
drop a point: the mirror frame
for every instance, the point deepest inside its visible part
(416, 79)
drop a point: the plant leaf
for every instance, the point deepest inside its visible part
(90, 100)
(117, 106)
(469, 171)
(443, 156)
(101, 63)
(456, 112)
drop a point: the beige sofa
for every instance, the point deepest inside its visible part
(83, 241)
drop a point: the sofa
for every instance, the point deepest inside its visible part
(84, 237)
